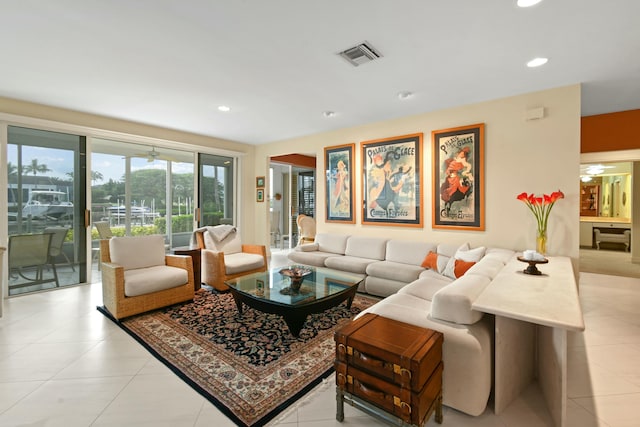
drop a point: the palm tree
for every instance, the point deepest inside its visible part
(36, 168)
(95, 176)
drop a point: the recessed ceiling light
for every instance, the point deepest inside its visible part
(536, 62)
(527, 3)
(328, 114)
(224, 108)
(405, 94)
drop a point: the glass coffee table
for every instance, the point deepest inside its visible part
(271, 292)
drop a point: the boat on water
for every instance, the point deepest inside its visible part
(48, 204)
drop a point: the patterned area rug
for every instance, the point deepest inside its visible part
(249, 366)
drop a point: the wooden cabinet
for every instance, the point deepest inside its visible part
(389, 369)
(589, 199)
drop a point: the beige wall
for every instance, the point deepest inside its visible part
(57, 119)
(537, 156)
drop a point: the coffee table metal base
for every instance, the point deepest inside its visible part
(294, 316)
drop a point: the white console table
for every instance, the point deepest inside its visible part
(532, 317)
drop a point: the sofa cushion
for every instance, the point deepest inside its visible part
(453, 302)
(394, 271)
(316, 258)
(449, 249)
(332, 243)
(142, 281)
(231, 244)
(382, 287)
(502, 255)
(366, 247)
(137, 252)
(407, 252)
(348, 263)
(426, 286)
(241, 262)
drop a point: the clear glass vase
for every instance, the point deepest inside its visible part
(541, 242)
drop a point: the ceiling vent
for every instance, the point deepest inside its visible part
(360, 54)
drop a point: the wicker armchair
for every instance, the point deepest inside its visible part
(228, 259)
(137, 276)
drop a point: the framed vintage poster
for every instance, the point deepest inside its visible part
(260, 182)
(392, 181)
(458, 178)
(338, 161)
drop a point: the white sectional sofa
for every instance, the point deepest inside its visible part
(429, 297)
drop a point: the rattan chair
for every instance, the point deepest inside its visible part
(228, 259)
(117, 295)
(306, 229)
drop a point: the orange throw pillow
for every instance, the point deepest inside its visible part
(461, 267)
(430, 261)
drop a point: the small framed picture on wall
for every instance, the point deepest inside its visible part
(260, 182)
(260, 195)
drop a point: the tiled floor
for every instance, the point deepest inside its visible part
(64, 364)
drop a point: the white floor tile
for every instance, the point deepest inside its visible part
(64, 363)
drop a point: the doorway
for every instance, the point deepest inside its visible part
(606, 195)
(292, 191)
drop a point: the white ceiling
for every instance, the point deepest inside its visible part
(171, 63)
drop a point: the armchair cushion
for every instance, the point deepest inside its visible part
(241, 262)
(152, 279)
(137, 252)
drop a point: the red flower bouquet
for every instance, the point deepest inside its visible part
(541, 208)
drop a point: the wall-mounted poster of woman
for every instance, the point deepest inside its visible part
(458, 179)
(392, 181)
(339, 183)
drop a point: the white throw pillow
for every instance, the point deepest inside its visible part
(465, 260)
(471, 255)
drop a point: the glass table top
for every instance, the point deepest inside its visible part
(274, 287)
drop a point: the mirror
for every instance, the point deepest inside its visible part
(604, 188)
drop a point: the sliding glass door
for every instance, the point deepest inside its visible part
(46, 172)
(139, 189)
(216, 182)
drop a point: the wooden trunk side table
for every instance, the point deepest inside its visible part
(390, 370)
(195, 254)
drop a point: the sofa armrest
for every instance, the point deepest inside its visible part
(307, 247)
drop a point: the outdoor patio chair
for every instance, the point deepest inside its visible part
(137, 275)
(105, 233)
(225, 258)
(29, 253)
(59, 234)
